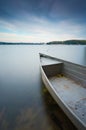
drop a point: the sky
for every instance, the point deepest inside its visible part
(42, 20)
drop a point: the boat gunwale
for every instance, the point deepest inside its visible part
(61, 60)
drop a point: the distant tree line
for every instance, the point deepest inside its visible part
(7, 43)
(68, 42)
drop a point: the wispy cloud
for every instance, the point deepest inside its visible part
(35, 29)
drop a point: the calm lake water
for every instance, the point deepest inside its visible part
(25, 103)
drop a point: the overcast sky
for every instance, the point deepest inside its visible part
(42, 20)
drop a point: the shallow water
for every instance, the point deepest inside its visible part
(25, 104)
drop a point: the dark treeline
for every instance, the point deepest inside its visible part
(68, 42)
(7, 43)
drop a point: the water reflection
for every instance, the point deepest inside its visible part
(3, 121)
(24, 101)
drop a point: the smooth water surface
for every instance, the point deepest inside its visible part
(25, 104)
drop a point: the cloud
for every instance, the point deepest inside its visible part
(36, 29)
(11, 9)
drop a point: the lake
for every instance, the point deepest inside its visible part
(25, 103)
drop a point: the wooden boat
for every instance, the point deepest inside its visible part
(66, 83)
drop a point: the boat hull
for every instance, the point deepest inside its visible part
(64, 106)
